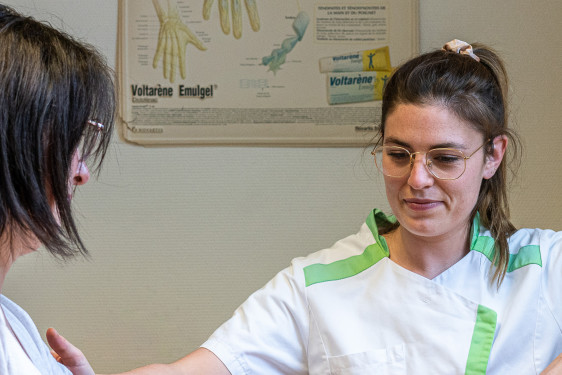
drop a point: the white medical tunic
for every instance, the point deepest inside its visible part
(349, 309)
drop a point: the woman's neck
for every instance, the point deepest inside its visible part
(5, 264)
(10, 250)
(427, 256)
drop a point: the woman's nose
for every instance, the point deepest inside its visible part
(419, 174)
(81, 174)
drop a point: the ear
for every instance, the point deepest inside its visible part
(494, 159)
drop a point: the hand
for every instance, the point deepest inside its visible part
(555, 368)
(173, 39)
(67, 354)
(251, 8)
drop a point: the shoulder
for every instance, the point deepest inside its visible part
(29, 337)
(544, 237)
(352, 245)
(526, 246)
(21, 323)
(544, 242)
(346, 247)
(347, 257)
(16, 313)
(23, 326)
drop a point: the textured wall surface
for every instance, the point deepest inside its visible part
(180, 236)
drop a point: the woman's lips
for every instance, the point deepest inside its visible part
(421, 204)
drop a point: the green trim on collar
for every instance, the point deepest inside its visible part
(482, 340)
(344, 268)
(374, 221)
(475, 230)
(530, 254)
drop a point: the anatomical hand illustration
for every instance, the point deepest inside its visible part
(251, 8)
(278, 55)
(173, 38)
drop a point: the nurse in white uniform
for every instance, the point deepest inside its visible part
(445, 284)
(55, 93)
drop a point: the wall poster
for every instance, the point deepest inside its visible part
(291, 72)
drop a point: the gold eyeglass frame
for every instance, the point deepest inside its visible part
(427, 162)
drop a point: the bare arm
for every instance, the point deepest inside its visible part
(201, 361)
(555, 367)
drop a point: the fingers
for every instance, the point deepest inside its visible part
(223, 12)
(172, 50)
(181, 58)
(172, 58)
(189, 37)
(159, 49)
(67, 354)
(252, 9)
(58, 344)
(236, 18)
(166, 57)
(207, 9)
(63, 351)
(236, 9)
(173, 38)
(184, 36)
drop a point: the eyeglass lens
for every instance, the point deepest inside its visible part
(443, 163)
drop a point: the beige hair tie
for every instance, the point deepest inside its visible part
(458, 46)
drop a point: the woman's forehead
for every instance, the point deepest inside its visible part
(429, 126)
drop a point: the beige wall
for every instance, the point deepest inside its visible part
(180, 236)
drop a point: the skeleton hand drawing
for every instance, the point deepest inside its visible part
(251, 8)
(173, 38)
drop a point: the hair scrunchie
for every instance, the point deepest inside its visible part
(458, 46)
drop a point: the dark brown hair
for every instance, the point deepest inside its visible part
(50, 86)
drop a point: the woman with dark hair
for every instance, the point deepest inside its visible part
(444, 285)
(57, 105)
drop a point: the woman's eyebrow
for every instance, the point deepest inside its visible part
(398, 142)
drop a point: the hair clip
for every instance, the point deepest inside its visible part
(458, 46)
(99, 126)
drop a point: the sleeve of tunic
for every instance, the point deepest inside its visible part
(31, 340)
(548, 332)
(268, 333)
(552, 272)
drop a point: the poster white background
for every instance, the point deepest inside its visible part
(237, 98)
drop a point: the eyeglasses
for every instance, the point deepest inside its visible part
(89, 141)
(442, 163)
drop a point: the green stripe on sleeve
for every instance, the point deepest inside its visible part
(530, 254)
(344, 268)
(482, 340)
